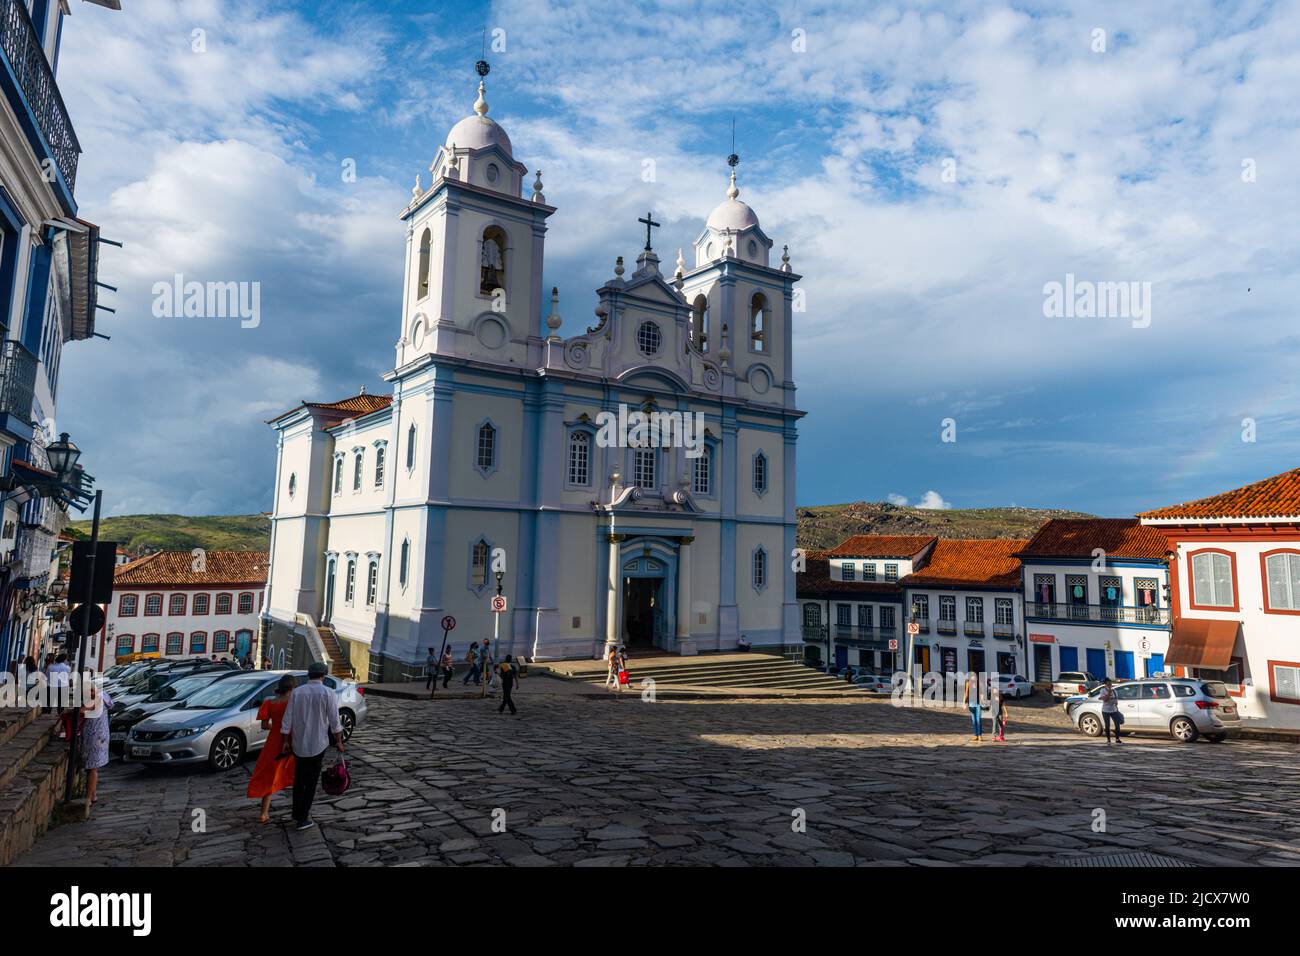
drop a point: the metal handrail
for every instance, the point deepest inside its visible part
(23, 49)
(1100, 613)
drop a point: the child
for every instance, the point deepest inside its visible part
(999, 715)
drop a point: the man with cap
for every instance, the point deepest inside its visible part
(310, 722)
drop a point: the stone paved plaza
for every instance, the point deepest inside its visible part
(591, 780)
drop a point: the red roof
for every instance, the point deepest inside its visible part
(178, 568)
(1081, 537)
(359, 404)
(882, 546)
(1276, 497)
(990, 562)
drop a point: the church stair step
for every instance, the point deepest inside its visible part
(759, 672)
(14, 721)
(339, 662)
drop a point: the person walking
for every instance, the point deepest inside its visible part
(508, 677)
(471, 658)
(274, 771)
(94, 737)
(998, 710)
(611, 677)
(971, 698)
(1110, 709)
(485, 666)
(448, 664)
(60, 675)
(311, 720)
(431, 669)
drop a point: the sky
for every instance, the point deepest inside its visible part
(933, 168)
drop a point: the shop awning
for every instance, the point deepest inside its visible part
(1202, 643)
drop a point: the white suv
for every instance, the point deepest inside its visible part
(1183, 707)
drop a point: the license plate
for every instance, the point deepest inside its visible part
(1230, 710)
(117, 736)
(141, 751)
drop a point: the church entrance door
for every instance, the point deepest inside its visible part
(643, 612)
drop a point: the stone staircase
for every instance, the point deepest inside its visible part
(747, 671)
(33, 772)
(339, 665)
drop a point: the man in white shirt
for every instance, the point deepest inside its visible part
(60, 676)
(310, 721)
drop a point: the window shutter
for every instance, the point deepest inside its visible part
(1279, 592)
(1202, 579)
(1222, 580)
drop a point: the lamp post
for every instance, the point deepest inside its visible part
(911, 653)
(496, 633)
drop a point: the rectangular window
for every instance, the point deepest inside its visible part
(175, 643)
(125, 644)
(199, 642)
(126, 605)
(149, 644)
(357, 464)
(372, 583)
(487, 448)
(579, 458)
(864, 616)
(869, 571)
(1212, 579)
(246, 603)
(220, 642)
(847, 572)
(704, 472)
(921, 602)
(1004, 611)
(200, 605)
(350, 584)
(379, 466)
(1284, 681)
(760, 569)
(338, 475)
(891, 572)
(223, 603)
(478, 564)
(176, 605)
(1144, 595)
(760, 473)
(643, 468)
(153, 605)
(975, 610)
(844, 615)
(886, 618)
(1283, 573)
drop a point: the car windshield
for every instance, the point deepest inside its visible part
(221, 694)
(181, 688)
(1215, 688)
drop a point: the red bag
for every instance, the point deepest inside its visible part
(336, 779)
(622, 677)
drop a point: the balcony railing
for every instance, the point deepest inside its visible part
(864, 635)
(972, 628)
(1099, 613)
(17, 380)
(1004, 630)
(26, 56)
(946, 627)
(814, 633)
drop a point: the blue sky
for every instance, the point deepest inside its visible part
(924, 296)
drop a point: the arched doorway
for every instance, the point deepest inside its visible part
(649, 589)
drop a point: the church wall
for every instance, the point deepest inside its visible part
(749, 442)
(470, 411)
(464, 526)
(760, 611)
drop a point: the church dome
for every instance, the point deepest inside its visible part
(479, 130)
(731, 213)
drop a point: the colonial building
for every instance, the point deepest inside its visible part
(183, 604)
(1096, 593)
(49, 265)
(492, 460)
(1236, 593)
(966, 602)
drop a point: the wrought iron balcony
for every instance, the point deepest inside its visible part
(923, 623)
(1007, 631)
(814, 633)
(17, 381)
(972, 628)
(1099, 613)
(22, 48)
(946, 627)
(873, 636)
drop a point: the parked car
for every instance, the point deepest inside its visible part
(121, 674)
(876, 683)
(1014, 686)
(218, 725)
(158, 678)
(1183, 707)
(1073, 682)
(171, 695)
(1074, 700)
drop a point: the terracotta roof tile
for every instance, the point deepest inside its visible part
(815, 581)
(1080, 537)
(1276, 497)
(881, 546)
(177, 567)
(360, 404)
(991, 562)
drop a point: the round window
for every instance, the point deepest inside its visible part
(648, 338)
(493, 172)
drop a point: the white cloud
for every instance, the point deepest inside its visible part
(896, 499)
(933, 500)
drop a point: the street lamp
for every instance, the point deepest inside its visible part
(62, 455)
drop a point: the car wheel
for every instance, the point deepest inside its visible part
(1216, 738)
(349, 722)
(1090, 725)
(227, 751)
(1184, 730)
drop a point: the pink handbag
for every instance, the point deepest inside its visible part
(336, 779)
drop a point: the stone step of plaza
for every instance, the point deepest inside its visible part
(13, 720)
(339, 666)
(723, 671)
(33, 773)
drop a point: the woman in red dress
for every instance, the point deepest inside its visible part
(274, 770)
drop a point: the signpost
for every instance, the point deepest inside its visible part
(448, 625)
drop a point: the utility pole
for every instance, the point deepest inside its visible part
(84, 628)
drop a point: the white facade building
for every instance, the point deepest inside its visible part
(391, 512)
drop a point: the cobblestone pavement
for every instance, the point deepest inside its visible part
(618, 781)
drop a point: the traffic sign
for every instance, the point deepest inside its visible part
(893, 644)
(448, 623)
(80, 625)
(914, 628)
(498, 603)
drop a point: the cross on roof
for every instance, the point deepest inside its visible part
(649, 223)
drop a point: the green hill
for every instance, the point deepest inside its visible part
(825, 526)
(141, 533)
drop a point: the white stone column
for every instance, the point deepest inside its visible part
(685, 645)
(611, 595)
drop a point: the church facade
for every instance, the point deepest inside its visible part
(633, 484)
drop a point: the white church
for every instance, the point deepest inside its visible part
(488, 465)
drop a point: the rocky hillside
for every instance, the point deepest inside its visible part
(827, 525)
